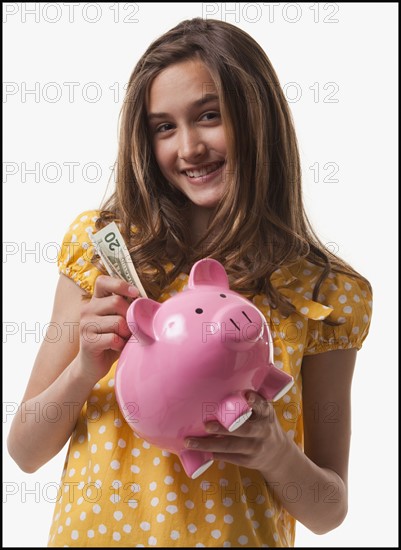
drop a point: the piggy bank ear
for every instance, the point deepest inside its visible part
(208, 272)
(140, 316)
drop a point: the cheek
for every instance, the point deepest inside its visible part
(164, 156)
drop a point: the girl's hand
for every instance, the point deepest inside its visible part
(103, 327)
(258, 444)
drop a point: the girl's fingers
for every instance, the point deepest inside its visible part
(113, 324)
(106, 286)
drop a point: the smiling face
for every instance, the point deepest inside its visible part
(187, 131)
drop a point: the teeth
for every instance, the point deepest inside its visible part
(204, 171)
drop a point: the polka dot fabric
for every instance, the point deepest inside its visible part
(118, 490)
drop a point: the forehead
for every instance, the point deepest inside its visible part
(188, 80)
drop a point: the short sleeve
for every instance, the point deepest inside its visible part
(74, 258)
(351, 301)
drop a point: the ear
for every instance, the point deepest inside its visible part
(140, 317)
(208, 272)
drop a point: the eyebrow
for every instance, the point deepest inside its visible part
(207, 98)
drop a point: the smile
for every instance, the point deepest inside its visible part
(204, 171)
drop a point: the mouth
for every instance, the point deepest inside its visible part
(204, 170)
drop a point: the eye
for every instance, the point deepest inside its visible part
(198, 310)
(223, 295)
(163, 128)
(211, 115)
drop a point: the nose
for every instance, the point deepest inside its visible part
(242, 324)
(191, 146)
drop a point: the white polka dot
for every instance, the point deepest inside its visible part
(102, 529)
(154, 501)
(171, 496)
(114, 465)
(210, 518)
(118, 423)
(216, 534)
(90, 534)
(96, 468)
(68, 521)
(82, 516)
(342, 299)
(291, 434)
(227, 501)
(152, 541)
(127, 528)
(365, 318)
(118, 515)
(290, 350)
(115, 498)
(68, 508)
(110, 383)
(171, 509)
(135, 469)
(307, 272)
(255, 524)
(175, 535)
(189, 504)
(184, 488)
(152, 486)
(94, 449)
(269, 513)
(60, 529)
(177, 467)
(249, 513)
(166, 453)
(122, 443)
(192, 528)
(347, 309)
(160, 518)
(347, 286)
(146, 445)
(135, 452)
(77, 454)
(209, 504)
(355, 330)
(242, 539)
(275, 536)
(168, 480)
(102, 429)
(304, 310)
(96, 509)
(145, 526)
(156, 461)
(279, 364)
(228, 518)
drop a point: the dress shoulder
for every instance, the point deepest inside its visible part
(74, 258)
(350, 298)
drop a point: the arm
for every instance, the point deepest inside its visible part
(65, 371)
(319, 476)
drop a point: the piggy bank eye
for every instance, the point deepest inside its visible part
(223, 295)
(198, 310)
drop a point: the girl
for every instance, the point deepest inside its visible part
(208, 165)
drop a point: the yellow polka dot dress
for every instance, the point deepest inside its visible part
(118, 490)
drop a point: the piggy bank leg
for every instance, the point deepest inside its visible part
(233, 412)
(276, 384)
(195, 462)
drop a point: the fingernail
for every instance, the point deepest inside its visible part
(133, 290)
(251, 398)
(191, 443)
(212, 427)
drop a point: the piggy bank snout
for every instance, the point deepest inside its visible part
(241, 324)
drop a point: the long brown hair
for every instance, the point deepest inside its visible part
(260, 223)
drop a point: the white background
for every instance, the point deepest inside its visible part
(357, 213)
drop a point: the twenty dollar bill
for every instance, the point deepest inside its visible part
(114, 254)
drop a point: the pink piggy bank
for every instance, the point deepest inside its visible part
(192, 359)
